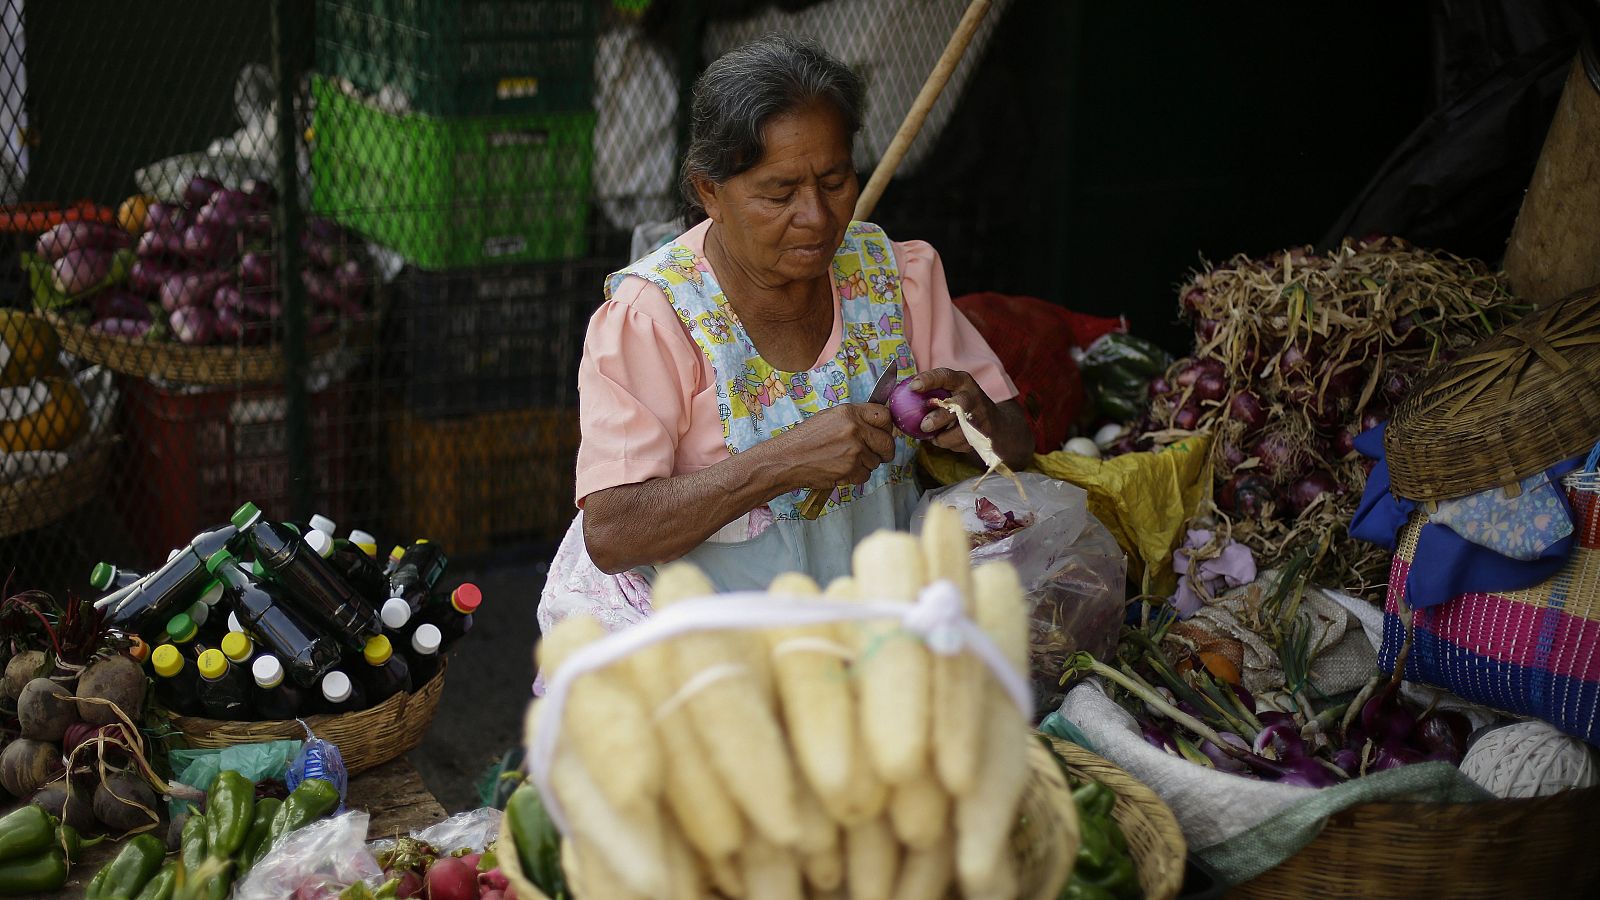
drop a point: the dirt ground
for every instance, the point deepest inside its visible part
(488, 684)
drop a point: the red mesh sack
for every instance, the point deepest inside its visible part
(1034, 341)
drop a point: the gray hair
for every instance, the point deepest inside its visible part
(736, 96)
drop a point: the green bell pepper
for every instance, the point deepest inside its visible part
(230, 810)
(192, 843)
(39, 873)
(538, 842)
(255, 843)
(126, 875)
(309, 801)
(25, 832)
(162, 886)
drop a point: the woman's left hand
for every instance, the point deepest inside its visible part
(1003, 423)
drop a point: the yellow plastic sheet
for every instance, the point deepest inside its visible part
(1144, 499)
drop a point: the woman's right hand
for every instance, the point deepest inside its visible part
(839, 445)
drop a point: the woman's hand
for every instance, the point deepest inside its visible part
(839, 445)
(1002, 422)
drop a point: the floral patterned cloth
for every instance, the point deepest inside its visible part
(1520, 527)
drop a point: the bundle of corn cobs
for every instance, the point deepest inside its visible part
(1295, 355)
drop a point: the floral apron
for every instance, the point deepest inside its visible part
(756, 402)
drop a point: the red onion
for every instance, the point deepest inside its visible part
(1222, 760)
(1193, 299)
(1246, 407)
(1207, 328)
(1210, 387)
(1444, 731)
(1187, 418)
(1305, 491)
(1384, 719)
(909, 408)
(1159, 388)
(1246, 494)
(1396, 385)
(1346, 379)
(1281, 459)
(1344, 443)
(1297, 363)
(1371, 420)
(1192, 371)
(1393, 756)
(1231, 455)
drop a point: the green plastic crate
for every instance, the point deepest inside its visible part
(464, 57)
(446, 193)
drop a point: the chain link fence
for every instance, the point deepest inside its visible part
(372, 306)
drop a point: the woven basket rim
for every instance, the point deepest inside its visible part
(1502, 412)
(35, 502)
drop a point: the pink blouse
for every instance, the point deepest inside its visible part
(647, 395)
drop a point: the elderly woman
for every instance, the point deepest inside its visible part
(727, 375)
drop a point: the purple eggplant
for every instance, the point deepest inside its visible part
(160, 243)
(193, 325)
(146, 275)
(66, 237)
(258, 270)
(79, 270)
(200, 189)
(209, 242)
(120, 304)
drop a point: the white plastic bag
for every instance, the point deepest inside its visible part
(315, 862)
(474, 830)
(1073, 572)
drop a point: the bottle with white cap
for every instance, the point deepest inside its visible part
(423, 654)
(360, 571)
(310, 583)
(364, 542)
(341, 693)
(258, 607)
(275, 698)
(321, 523)
(234, 626)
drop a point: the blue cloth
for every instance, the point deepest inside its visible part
(1446, 565)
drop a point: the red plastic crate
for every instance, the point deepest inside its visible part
(193, 456)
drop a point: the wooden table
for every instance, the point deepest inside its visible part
(393, 794)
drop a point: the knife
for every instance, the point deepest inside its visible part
(816, 501)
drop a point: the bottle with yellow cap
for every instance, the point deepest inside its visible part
(237, 647)
(417, 573)
(364, 542)
(362, 572)
(176, 680)
(224, 690)
(259, 610)
(396, 553)
(386, 672)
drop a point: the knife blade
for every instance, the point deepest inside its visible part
(815, 501)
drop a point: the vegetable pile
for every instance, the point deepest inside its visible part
(800, 761)
(1296, 354)
(1104, 868)
(200, 271)
(415, 868)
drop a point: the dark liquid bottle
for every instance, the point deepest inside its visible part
(341, 694)
(306, 655)
(416, 574)
(396, 554)
(106, 577)
(171, 588)
(224, 689)
(453, 617)
(386, 672)
(311, 584)
(367, 544)
(238, 648)
(423, 654)
(176, 679)
(181, 633)
(362, 573)
(274, 698)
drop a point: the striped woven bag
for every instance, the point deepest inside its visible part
(1534, 652)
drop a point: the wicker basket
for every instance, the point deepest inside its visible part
(1520, 402)
(35, 502)
(210, 365)
(1537, 847)
(1153, 837)
(365, 739)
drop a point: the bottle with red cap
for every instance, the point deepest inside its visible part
(453, 616)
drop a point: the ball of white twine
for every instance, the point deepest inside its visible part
(1530, 759)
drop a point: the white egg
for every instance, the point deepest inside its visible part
(1083, 447)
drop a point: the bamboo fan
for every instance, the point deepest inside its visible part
(1518, 403)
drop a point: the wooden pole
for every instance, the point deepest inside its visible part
(931, 89)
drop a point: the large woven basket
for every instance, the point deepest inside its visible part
(1520, 402)
(1154, 840)
(365, 739)
(1536, 847)
(206, 365)
(36, 502)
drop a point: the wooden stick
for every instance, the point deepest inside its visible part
(931, 89)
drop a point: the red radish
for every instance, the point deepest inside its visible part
(1246, 407)
(909, 408)
(471, 859)
(492, 895)
(451, 879)
(1187, 419)
(410, 883)
(495, 880)
(1309, 489)
(1210, 387)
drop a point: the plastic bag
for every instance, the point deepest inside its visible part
(315, 863)
(257, 762)
(474, 830)
(1073, 573)
(318, 759)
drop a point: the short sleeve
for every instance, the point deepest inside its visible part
(636, 383)
(940, 336)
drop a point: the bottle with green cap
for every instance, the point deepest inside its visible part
(275, 698)
(423, 654)
(453, 616)
(386, 672)
(181, 631)
(362, 573)
(413, 579)
(171, 588)
(341, 693)
(260, 610)
(107, 577)
(176, 680)
(224, 691)
(310, 583)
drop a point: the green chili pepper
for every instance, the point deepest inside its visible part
(126, 875)
(255, 843)
(1094, 848)
(72, 843)
(39, 873)
(310, 801)
(230, 810)
(161, 886)
(25, 832)
(1118, 877)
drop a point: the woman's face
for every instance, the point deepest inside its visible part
(784, 218)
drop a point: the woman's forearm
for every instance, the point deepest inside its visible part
(1013, 439)
(657, 521)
